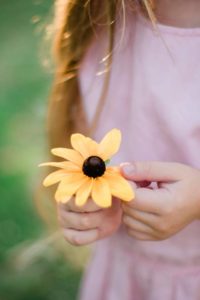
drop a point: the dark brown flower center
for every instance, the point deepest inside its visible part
(94, 166)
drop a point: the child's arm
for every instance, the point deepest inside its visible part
(86, 224)
(157, 214)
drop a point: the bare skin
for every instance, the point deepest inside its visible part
(86, 224)
(157, 214)
(178, 13)
(154, 214)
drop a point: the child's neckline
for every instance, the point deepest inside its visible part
(163, 28)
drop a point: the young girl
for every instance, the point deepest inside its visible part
(134, 65)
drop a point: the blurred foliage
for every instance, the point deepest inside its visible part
(24, 89)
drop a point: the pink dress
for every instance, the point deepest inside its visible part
(154, 99)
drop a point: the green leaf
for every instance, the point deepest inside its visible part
(107, 162)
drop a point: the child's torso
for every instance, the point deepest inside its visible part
(154, 99)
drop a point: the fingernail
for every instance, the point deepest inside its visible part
(128, 168)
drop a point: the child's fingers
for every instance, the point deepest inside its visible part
(141, 236)
(149, 200)
(134, 224)
(89, 220)
(79, 238)
(144, 217)
(89, 206)
(80, 221)
(153, 171)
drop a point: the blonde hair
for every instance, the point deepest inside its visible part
(74, 29)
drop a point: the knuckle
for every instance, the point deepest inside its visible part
(147, 168)
(65, 219)
(62, 207)
(126, 220)
(128, 208)
(85, 222)
(73, 239)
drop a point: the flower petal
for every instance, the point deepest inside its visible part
(84, 192)
(68, 154)
(101, 192)
(79, 143)
(113, 169)
(67, 165)
(55, 177)
(69, 185)
(61, 198)
(92, 147)
(110, 144)
(119, 187)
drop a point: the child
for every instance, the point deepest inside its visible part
(118, 68)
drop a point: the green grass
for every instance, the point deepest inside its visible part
(24, 89)
(46, 279)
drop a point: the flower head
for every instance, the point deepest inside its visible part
(85, 173)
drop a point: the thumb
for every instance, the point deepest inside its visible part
(152, 171)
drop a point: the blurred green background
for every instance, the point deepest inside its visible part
(30, 266)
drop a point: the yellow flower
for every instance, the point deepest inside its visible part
(84, 172)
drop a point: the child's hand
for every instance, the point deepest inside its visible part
(86, 224)
(157, 214)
